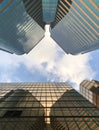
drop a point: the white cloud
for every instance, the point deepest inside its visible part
(50, 61)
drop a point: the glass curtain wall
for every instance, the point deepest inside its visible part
(62, 107)
(19, 33)
(78, 30)
(49, 10)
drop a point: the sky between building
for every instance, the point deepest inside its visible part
(47, 62)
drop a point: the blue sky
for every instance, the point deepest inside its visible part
(47, 62)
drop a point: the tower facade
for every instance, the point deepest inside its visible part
(19, 110)
(74, 24)
(19, 32)
(73, 112)
(90, 90)
(56, 104)
(49, 10)
(34, 9)
(77, 26)
(63, 7)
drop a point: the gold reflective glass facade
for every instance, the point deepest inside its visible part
(90, 90)
(20, 110)
(74, 112)
(56, 104)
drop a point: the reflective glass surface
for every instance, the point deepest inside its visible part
(90, 90)
(78, 30)
(49, 10)
(34, 9)
(23, 104)
(74, 24)
(19, 33)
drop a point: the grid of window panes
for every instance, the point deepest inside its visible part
(73, 112)
(19, 109)
(90, 90)
(63, 106)
(85, 90)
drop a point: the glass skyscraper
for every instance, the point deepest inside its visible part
(19, 28)
(90, 90)
(34, 9)
(74, 24)
(49, 10)
(45, 106)
(78, 30)
(18, 107)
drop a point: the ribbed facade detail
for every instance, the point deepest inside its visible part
(62, 10)
(77, 31)
(34, 9)
(74, 24)
(19, 32)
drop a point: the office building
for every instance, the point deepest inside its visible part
(90, 90)
(19, 110)
(34, 9)
(19, 32)
(77, 26)
(57, 104)
(73, 112)
(74, 24)
(49, 10)
(62, 10)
